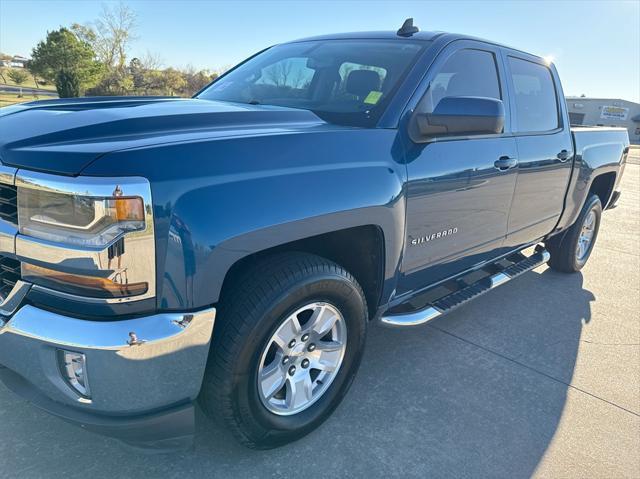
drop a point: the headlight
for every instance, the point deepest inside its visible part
(91, 238)
(75, 219)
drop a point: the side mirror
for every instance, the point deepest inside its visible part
(460, 115)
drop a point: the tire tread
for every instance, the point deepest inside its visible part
(562, 247)
(247, 297)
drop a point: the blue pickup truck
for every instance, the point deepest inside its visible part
(233, 248)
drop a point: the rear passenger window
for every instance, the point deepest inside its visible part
(465, 73)
(535, 96)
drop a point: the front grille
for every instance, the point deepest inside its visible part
(9, 203)
(9, 275)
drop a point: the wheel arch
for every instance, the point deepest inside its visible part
(600, 156)
(360, 250)
(602, 186)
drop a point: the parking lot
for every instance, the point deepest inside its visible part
(540, 377)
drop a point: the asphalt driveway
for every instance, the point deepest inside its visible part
(540, 377)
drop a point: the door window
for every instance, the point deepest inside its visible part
(534, 95)
(465, 73)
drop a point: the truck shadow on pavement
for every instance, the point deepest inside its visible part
(477, 393)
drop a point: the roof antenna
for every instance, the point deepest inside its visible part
(407, 29)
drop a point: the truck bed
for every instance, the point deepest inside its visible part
(600, 146)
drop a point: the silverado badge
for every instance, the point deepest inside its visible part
(425, 239)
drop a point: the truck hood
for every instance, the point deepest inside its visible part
(64, 136)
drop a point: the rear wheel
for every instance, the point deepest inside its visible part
(286, 348)
(570, 252)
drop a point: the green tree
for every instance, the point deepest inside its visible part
(195, 80)
(27, 66)
(67, 84)
(18, 77)
(66, 61)
(143, 73)
(171, 81)
(113, 83)
(136, 70)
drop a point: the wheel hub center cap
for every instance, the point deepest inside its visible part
(298, 351)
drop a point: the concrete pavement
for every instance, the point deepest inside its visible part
(541, 377)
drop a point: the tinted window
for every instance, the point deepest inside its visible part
(535, 96)
(342, 81)
(465, 73)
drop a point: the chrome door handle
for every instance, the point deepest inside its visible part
(506, 163)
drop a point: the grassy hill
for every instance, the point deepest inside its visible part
(7, 99)
(30, 83)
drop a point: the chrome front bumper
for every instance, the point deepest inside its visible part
(134, 367)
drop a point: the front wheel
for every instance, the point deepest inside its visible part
(570, 252)
(287, 347)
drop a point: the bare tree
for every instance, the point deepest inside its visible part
(285, 74)
(276, 74)
(151, 61)
(110, 35)
(223, 69)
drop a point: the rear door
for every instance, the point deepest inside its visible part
(457, 200)
(545, 148)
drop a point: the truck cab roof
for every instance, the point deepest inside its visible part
(378, 35)
(426, 36)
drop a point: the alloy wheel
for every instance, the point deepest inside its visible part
(586, 236)
(302, 358)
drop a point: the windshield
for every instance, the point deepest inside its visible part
(342, 81)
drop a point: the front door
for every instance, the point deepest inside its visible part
(458, 201)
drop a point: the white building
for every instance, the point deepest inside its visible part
(606, 112)
(18, 61)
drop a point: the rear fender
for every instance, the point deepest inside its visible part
(597, 153)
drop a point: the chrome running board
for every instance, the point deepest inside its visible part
(457, 298)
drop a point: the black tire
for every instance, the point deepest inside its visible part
(563, 247)
(250, 312)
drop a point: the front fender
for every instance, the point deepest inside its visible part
(225, 223)
(216, 202)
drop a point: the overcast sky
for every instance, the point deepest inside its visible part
(595, 44)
